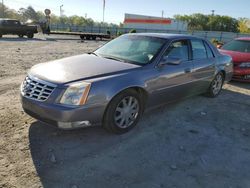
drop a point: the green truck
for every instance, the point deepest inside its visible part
(15, 27)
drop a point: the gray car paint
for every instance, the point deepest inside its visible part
(161, 84)
(77, 67)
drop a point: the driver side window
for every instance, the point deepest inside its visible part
(178, 50)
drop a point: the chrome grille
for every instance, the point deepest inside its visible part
(36, 89)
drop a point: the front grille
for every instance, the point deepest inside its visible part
(36, 89)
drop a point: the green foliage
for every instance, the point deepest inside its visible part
(24, 14)
(216, 42)
(132, 31)
(210, 22)
(119, 33)
(28, 14)
(244, 25)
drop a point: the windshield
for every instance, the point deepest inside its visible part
(238, 46)
(132, 49)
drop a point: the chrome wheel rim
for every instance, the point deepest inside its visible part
(217, 84)
(126, 112)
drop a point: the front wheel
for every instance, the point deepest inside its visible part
(30, 35)
(123, 112)
(216, 85)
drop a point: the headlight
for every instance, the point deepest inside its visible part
(76, 94)
(245, 65)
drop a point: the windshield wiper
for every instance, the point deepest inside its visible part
(93, 53)
(114, 58)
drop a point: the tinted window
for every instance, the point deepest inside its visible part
(199, 50)
(12, 22)
(238, 46)
(210, 54)
(178, 50)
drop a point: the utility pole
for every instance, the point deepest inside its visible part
(212, 12)
(212, 18)
(61, 11)
(2, 9)
(103, 13)
(162, 13)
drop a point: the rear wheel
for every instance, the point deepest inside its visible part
(216, 85)
(82, 37)
(30, 35)
(123, 112)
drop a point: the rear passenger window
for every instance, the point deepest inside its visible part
(210, 54)
(199, 50)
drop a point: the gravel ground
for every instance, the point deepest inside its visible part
(197, 142)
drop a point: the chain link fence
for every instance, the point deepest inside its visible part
(114, 31)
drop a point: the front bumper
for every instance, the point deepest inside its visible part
(64, 117)
(241, 74)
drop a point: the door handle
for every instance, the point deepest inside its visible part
(187, 70)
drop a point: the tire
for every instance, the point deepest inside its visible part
(94, 38)
(30, 35)
(1, 35)
(82, 37)
(20, 36)
(216, 85)
(88, 37)
(119, 118)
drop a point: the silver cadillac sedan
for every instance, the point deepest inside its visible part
(113, 85)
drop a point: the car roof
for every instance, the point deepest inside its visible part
(243, 38)
(166, 35)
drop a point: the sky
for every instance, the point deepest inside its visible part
(115, 9)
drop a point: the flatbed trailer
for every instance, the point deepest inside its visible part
(83, 36)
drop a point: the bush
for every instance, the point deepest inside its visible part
(132, 31)
(119, 33)
(216, 42)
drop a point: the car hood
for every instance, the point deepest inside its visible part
(238, 57)
(78, 68)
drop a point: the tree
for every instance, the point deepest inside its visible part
(8, 13)
(28, 14)
(209, 22)
(243, 25)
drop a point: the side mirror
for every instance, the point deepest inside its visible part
(169, 61)
(219, 46)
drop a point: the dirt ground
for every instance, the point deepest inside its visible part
(197, 142)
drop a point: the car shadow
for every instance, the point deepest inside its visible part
(245, 85)
(187, 140)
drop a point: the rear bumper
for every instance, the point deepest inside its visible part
(242, 74)
(62, 116)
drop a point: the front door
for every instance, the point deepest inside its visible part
(172, 80)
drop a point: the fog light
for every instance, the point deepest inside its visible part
(73, 125)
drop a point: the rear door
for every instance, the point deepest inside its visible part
(204, 61)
